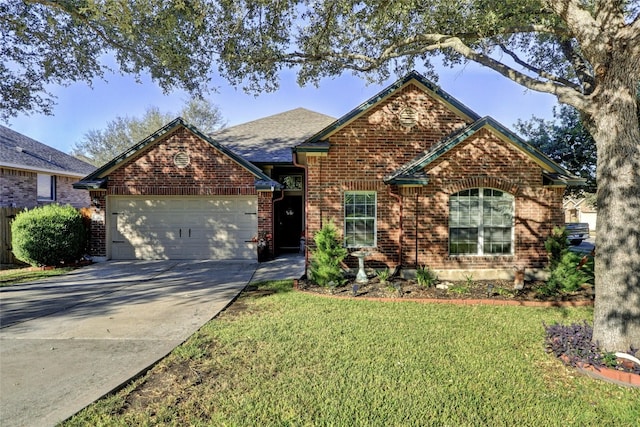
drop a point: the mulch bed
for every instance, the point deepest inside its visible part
(489, 291)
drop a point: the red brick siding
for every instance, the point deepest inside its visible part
(66, 194)
(265, 215)
(19, 188)
(98, 229)
(375, 144)
(154, 173)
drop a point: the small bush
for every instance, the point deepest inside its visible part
(425, 277)
(556, 246)
(383, 275)
(325, 269)
(48, 235)
(567, 276)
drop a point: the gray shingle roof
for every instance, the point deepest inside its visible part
(20, 151)
(270, 139)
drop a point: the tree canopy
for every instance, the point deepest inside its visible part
(559, 47)
(47, 43)
(98, 146)
(566, 140)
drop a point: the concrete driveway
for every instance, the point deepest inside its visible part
(65, 342)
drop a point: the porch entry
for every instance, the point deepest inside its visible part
(288, 224)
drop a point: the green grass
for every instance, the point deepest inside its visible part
(21, 275)
(293, 359)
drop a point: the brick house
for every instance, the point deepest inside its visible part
(411, 174)
(34, 174)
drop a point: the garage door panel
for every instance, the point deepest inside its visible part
(183, 228)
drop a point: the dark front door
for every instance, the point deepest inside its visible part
(288, 224)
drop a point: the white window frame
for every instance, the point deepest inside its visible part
(348, 219)
(480, 225)
(49, 185)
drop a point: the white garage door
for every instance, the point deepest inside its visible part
(183, 227)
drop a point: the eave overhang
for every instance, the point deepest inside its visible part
(321, 147)
(560, 180)
(91, 184)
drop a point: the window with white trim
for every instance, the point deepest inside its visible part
(46, 187)
(360, 219)
(481, 222)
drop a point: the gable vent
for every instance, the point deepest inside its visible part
(408, 117)
(181, 160)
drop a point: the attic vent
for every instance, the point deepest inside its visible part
(408, 117)
(181, 159)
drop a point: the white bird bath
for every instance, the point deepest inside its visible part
(361, 277)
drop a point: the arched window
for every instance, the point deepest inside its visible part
(481, 222)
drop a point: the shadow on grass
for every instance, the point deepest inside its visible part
(267, 288)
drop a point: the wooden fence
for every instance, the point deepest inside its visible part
(6, 216)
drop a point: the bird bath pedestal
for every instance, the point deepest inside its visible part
(361, 277)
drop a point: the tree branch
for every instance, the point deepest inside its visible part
(581, 67)
(93, 27)
(578, 20)
(566, 91)
(537, 70)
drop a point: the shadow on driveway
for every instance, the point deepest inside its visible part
(69, 340)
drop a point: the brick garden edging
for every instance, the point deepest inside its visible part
(610, 375)
(606, 374)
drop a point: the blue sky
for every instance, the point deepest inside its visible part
(81, 108)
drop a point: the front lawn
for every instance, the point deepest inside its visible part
(17, 275)
(289, 358)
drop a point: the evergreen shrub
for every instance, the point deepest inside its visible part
(556, 246)
(327, 256)
(48, 235)
(568, 275)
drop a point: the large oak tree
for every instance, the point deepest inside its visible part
(585, 52)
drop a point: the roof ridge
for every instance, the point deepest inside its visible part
(250, 122)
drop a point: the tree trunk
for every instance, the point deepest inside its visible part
(617, 265)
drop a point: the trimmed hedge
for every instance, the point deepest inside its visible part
(48, 235)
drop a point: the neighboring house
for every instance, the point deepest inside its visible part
(34, 174)
(412, 175)
(578, 209)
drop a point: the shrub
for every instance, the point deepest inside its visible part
(383, 275)
(574, 342)
(425, 277)
(556, 245)
(326, 258)
(567, 277)
(48, 235)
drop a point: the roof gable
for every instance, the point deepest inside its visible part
(412, 78)
(98, 178)
(21, 152)
(413, 171)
